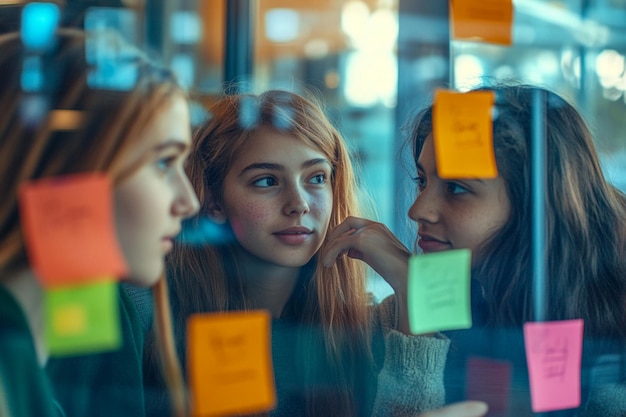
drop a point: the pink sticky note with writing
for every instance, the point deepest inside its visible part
(554, 354)
(69, 229)
(489, 380)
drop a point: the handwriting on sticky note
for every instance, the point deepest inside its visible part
(463, 134)
(438, 291)
(70, 230)
(485, 21)
(553, 353)
(229, 362)
(489, 380)
(83, 318)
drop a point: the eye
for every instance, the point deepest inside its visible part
(454, 188)
(265, 182)
(318, 179)
(166, 163)
(420, 181)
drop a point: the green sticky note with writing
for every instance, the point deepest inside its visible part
(439, 291)
(83, 318)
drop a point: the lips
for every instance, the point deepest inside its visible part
(430, 244)
(294, 235)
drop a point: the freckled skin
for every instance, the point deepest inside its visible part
(294, 190)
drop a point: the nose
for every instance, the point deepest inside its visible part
(186, 203)
(425, 208)
(296, 201)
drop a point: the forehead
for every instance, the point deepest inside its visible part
(271, 145)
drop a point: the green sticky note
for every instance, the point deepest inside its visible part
(439, 291)
(83, 318)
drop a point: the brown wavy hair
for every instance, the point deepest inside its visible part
(585, 219)
(205, 278)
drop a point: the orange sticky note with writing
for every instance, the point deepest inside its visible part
(229, 362)
(69, 229)
(484, 21)
(463, 134)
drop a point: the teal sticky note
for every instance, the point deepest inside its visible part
(82, 319)
(439, 291)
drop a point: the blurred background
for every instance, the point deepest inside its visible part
(374, 63)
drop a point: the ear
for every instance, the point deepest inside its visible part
(215, 211)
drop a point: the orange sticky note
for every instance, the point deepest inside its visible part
(554, 354)
(69, 229)
(229, 362)
(463, 134)
(484, 21)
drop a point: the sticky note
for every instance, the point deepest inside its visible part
(82, 318)
(70, 230)
(463, 134)
(554, 353)
(439, 291)
(229, 362)
(489, 380)
(488, 21)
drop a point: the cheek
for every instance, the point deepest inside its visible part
(249, 215)
(321, 207)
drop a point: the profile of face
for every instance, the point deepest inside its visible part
(277, 198)
(455, 213)
(151, 203)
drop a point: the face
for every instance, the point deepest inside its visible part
(456, 213)
(278, 198)
(151, 203)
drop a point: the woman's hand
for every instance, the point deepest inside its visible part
(462, 409)
(374, 244)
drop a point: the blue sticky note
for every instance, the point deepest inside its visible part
(39, 23)
(439, 291)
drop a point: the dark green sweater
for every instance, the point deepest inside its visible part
(104, 384)
(24, 387)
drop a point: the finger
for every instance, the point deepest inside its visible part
(336, 248)
(348, 224)
(462, 409)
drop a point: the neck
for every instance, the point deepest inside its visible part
(269, 286)
(29, 295)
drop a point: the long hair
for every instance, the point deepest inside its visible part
(585, 268)
(205, 278)
(107, 127)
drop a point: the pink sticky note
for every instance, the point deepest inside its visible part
(554, 354)
(489, 380)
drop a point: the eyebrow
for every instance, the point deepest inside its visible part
(278, 167)
(171, 143)
(421, 168)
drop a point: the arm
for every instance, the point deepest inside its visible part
(411, 378)
(462, 409)
(374, 244)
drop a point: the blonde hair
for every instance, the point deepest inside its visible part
(108, 126)
(206, 278)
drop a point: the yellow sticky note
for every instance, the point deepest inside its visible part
(439, 291)
(484, 21)
(83, 318)
(463, 134)
(229, 363)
